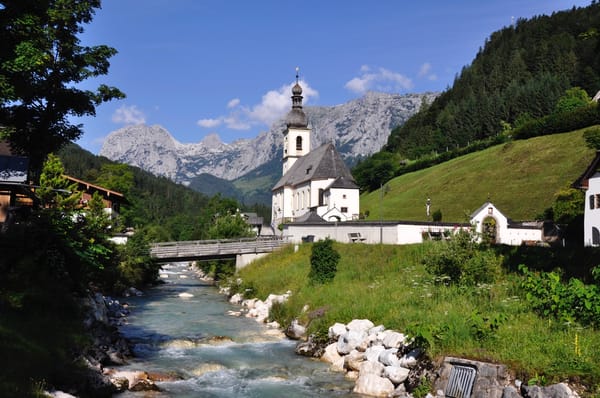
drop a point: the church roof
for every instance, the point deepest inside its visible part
(583, 181)
(343, 183)
(320, 164)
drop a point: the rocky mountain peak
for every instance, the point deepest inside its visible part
(358, 128)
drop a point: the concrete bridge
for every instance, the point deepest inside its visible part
(244, 250)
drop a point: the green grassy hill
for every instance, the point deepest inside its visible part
(519, 177)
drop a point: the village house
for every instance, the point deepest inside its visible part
(589, 182)
(315, 183)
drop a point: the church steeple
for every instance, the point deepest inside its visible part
(296, 137)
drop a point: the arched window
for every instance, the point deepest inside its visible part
(298, 143)
(595, 236)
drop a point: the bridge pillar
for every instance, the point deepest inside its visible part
(241, 260)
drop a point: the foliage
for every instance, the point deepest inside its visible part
(568, 205)
(559, 122)
(136, 267)
(568, 302)
(436, 216)
(228, 226)
(592, 137)
(522, 69)
(323, 262)
(41, 64)
(485, 326)
(461, 260)
(572, 99)
(56, 191)
(375, 171)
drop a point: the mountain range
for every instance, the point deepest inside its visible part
(247, 168)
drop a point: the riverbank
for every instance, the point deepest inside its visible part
(389, 286)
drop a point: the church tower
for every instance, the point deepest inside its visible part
(296, 137)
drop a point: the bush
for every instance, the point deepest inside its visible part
(323, 262)
(462, 261)
(592, 137)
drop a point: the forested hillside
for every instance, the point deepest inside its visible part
(167, 211)
(519, 74)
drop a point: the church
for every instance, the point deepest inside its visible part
(316, 185)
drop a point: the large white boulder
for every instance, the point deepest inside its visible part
(375, 368)
(361, 325)
(396, 374)
(409, 360)
(393, 339)
(373, 385)
(372, 353)
(350, 341)
(236, 298)
(389, 357)
(336, 330)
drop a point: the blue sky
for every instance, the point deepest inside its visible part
(198, 67)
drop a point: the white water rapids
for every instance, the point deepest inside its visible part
(212, 354)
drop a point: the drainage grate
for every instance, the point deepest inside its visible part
(460, 382)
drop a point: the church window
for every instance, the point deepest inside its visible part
(344, 196)
(298, 143)
(592, 199)
(344, 210)
(595, 236)
(321, 202)
(597, 201)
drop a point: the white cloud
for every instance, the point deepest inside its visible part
(273, 105)
(209, 123)
(129, 115)
(233, 103)
(380, 80)
(425, 71)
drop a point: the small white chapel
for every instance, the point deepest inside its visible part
(317, 184)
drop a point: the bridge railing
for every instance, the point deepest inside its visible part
(200, 248)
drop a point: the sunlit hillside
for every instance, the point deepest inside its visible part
(519, 177)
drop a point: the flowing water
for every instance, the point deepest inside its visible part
(213, 354)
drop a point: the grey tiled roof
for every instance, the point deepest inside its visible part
(320, 164)
(343, 183)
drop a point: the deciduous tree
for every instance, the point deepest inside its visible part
(41, 63)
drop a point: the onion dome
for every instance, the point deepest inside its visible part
(296, 117)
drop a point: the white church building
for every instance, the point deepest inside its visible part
(316, 184)
(589, 181)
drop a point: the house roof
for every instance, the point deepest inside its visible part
(593, 168)
(89, 186)
(320, 164)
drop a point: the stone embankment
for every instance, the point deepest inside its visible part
(386, 363)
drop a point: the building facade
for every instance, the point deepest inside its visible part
(316, 182)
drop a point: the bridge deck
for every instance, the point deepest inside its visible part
(213, 249)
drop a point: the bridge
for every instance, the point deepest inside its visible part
(244, 250)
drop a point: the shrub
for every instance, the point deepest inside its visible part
(592, 137)
(323, 262)
(436, 216)
(462, 261)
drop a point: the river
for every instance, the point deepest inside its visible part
(215, 354)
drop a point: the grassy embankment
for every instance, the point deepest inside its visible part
(389, 285)
(519, 177)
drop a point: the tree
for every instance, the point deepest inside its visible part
(572, 99)
(41, 63)
(323, 262)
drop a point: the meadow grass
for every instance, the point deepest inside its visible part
(519, 177)
(389, 285)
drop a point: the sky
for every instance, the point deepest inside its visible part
(226, 67)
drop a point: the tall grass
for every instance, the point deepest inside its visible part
(389, 285)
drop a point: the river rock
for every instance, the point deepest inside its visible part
(336, 330)
(410, 359)
(371, 384)
(350, 341)
(353, 360)
(392, 339)
(186, 295)
(332, 356)
(389, 357)
(375, 368)
(396, 374)
(295, 331)
(372, 353)
(360, 325)
(560, 390)
(236, 298)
